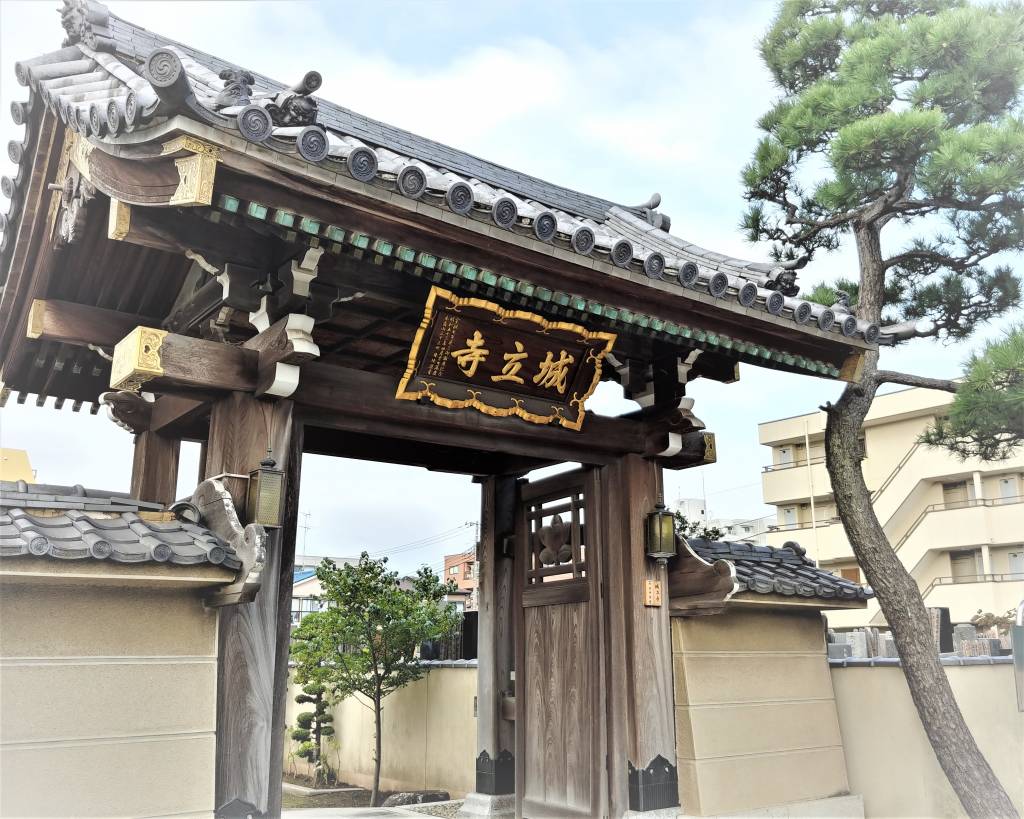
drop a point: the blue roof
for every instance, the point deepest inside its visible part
(302, 574)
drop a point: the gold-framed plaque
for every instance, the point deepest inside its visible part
(474, 354)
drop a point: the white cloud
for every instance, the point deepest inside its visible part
(665, 99)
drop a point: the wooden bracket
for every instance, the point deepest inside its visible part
(282, 348)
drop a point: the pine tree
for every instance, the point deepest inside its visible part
(313, 726)
(986, 419)
(899, 113)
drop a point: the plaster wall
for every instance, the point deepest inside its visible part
(889, 760)
(756, 721)
(429, 735)
(107, 700)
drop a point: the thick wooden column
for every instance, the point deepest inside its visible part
(641, 726)
(496, 736)
(242, 428)
(155, 467)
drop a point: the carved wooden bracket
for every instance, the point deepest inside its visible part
(129, 410)
(217, 512)
(697, 587)
(181, 176)
(283, 348)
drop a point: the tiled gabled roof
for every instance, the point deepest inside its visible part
(72, 523)
(786, 571)
(104, 83)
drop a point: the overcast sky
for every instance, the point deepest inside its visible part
(615, 99)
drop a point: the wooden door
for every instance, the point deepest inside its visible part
(560, 756)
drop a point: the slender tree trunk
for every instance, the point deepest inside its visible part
(375, 794)
(979, 791)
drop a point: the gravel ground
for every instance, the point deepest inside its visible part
(448, 810)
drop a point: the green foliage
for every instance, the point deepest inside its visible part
(307, 750)
(685, 529)
(986, 418)
(305, 719)
(300, 734)
(367, 641)
(898, 111)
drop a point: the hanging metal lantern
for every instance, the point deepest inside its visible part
(265, 501)
(660, 533)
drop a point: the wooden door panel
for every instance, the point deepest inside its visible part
(558, 716)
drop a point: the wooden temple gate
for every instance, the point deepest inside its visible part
(233, 261)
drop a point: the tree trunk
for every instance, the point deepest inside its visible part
(980, 793)
(375, 794)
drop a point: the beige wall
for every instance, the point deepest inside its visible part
(756, 721)
(429, 735)
(888, 757)
(107, 700)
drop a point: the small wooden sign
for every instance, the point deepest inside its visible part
(652, 593)
(474, 353)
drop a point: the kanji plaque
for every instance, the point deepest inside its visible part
(472, 353)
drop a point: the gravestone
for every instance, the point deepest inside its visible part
(859, 643)
(839, 651)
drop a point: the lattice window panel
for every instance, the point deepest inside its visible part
(557, 549)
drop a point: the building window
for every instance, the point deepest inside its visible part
(851, 574)
(453, 570)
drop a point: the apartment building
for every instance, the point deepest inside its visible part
(462, 569)
(958, 526)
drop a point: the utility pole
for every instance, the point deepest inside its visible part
(305, 536)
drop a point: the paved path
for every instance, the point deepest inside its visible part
(351, 813)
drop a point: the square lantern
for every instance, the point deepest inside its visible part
(265, 501)
(660, 533)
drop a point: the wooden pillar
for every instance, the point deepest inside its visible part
(155, 467)
(242, 428)
(641, 714)
(495, 763)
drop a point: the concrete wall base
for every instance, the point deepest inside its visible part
(486, 805)
(850, 806)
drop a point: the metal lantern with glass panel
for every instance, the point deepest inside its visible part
(265, 502)
(660, 533)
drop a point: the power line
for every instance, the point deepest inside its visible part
(423, 542)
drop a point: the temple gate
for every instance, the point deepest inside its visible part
(221, 258)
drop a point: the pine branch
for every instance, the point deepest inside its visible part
(893, 377)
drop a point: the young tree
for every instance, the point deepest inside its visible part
(899, 113)
(366, 640)
(986, 418)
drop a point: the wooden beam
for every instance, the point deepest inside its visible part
(155, 467)
(166, 361)
(79, 324)
(177, 232)
(358, 401)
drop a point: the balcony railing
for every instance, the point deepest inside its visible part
(791, 464)
(788, 527)
(973, 578)
(964, 504)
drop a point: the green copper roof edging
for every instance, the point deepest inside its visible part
(522, 292)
